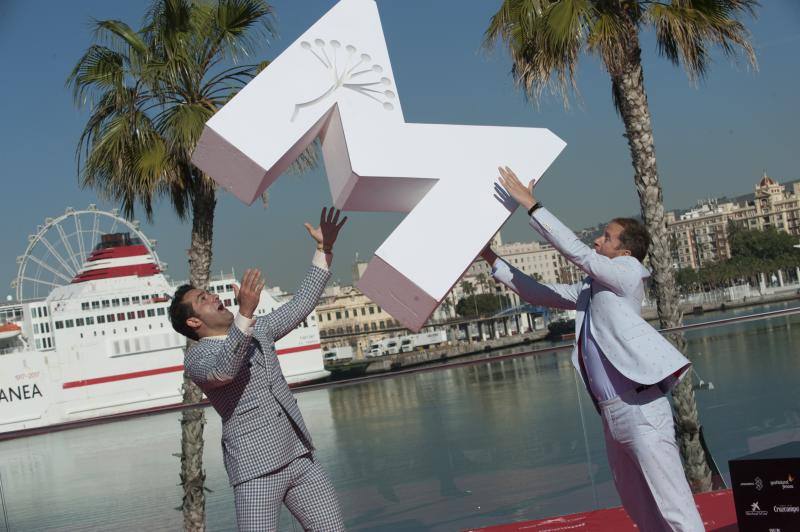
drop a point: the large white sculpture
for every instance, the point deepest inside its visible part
(336, 82)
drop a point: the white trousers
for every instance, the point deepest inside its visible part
(646, 464)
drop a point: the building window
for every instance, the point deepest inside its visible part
(338, 315)
(110, 318)
(101, 319)
(358, 328)
(106, 303)
(140, 314)
(227, 302)
(131, 315)
(363, 311)
(346, 314)
(89, 320)
(95, 305)
(373, 326)
(372, 310)
(160, 312)
(69, 323)
(120, 316)
(135, 300)
(85, 305)
(382, 324)
(79, 322)
(126, 301)
(35, 328)
(115, 302)
(151, 312)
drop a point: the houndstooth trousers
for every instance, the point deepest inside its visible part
(305, 489)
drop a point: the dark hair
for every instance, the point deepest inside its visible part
(634, 237)
(180, 311)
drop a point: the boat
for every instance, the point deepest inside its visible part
(101, 345)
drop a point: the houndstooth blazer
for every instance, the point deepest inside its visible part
(242, 378)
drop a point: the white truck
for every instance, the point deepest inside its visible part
(422, 340)
(338, 353)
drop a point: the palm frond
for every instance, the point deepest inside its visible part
(686, 28)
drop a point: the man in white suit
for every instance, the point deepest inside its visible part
(627, 366)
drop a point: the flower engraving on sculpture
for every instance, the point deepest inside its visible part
(350, 70)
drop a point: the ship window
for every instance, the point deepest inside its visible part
(115, 302)
(101, 319)
(227, 302)
(85, 305)
(69, 323)
(120, 316)
(110, 318)
(126, 301)
(135, 300)
(151, 312)
(228, 287)
(79, 322)
(95, 305)
(131, 315)
(140, 314)
(89, 320)
(211, 289)
(105, 303)
(145, 298)
(160, 311)
(153, 296)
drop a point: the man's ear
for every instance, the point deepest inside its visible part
(194, 323)
(626, 252)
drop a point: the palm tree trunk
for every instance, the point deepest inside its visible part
(193, 420)
(631, 101)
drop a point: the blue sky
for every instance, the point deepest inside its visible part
(711, 140)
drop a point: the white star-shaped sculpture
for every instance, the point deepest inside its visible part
(336, 83)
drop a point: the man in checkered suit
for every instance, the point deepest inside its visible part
(266, 446)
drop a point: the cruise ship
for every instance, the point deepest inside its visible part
(101, 345)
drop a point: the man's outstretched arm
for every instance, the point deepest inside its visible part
(563, 296)
(285, 318)
(618, 275)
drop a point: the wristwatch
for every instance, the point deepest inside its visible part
(533, 208)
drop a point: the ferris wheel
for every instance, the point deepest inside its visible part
(58, 249)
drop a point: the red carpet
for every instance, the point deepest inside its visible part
(716, 508)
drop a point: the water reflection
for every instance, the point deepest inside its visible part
(441, 450)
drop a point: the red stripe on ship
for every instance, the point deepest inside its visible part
(298, 349)
(160, 371)
(121, 377)
(117, 253)
(140, 270)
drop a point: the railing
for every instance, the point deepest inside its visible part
(495, 438)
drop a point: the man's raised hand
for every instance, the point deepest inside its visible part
(249, 293)
(522, 194)
(328, 230)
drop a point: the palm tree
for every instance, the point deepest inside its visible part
(545, 39)
(150, 92)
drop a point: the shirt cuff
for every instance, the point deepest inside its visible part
(322, 260)
(244, 324)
